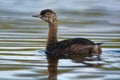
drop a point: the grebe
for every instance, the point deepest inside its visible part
(76, 49)
(67, 48)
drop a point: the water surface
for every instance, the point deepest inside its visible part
(23, 38)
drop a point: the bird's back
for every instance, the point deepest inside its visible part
(74, 47)
(69, 42)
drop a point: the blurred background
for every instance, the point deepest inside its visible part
(22, 36)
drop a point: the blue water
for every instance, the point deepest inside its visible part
(23, 38)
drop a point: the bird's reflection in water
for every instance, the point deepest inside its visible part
(53, 62)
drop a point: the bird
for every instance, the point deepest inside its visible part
(76, 49)
(71, 48)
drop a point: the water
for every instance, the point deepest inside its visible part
(23, 38)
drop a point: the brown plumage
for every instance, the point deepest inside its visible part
(76, 49)
(71, 48)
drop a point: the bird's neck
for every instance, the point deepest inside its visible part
(52, 35)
